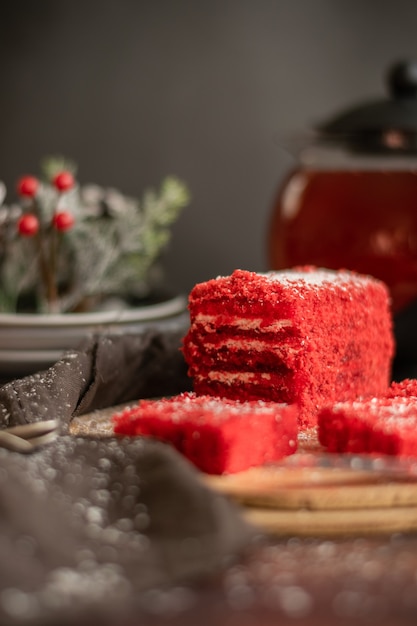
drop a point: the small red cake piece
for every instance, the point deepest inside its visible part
(406, 388)
(217, 435)
(307, 336)
(376, 426)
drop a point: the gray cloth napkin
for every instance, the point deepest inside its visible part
(105, 371)
(90, 528)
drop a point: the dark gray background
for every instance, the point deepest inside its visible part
(209, 90)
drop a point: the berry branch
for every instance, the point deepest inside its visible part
(46, 233)
(66, 247)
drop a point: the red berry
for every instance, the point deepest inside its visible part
(28, 225)
(27, 186)
(63, 220)
(63, 181)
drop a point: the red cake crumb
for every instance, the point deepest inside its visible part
(217, 435)
(307, 336)
(405, 388)
(380, 426)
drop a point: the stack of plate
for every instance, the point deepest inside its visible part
(29, 343)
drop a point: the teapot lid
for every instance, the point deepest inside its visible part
(385, 126)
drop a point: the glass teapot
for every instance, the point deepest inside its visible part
(351, 202)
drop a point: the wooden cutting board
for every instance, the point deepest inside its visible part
(310, 493)
(323, 501)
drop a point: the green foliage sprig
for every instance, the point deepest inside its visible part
(63, 246)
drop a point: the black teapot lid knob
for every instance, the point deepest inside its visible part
(402, 79)
(383, 126)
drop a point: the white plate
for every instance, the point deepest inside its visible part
(29, 356)
(23, 339)
(18, 363)
(29, 343)
(115, 316)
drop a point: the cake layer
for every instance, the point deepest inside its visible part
(230, 353)
(288, 387)
(212, 324)
(308, 335)
(274, 297)
(217, 435)
(244, 389)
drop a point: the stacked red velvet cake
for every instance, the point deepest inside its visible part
(308, 337)
(217, 435)
(267, 353)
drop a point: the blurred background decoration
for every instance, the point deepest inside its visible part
(207, 91)
(71, 248)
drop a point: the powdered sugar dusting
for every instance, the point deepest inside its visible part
(383, 408)
(313, 277)
(310, 276)
(189, 403)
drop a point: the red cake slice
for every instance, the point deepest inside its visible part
(307, 336)
(406, 388)
(217, 435)
(379, 425)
